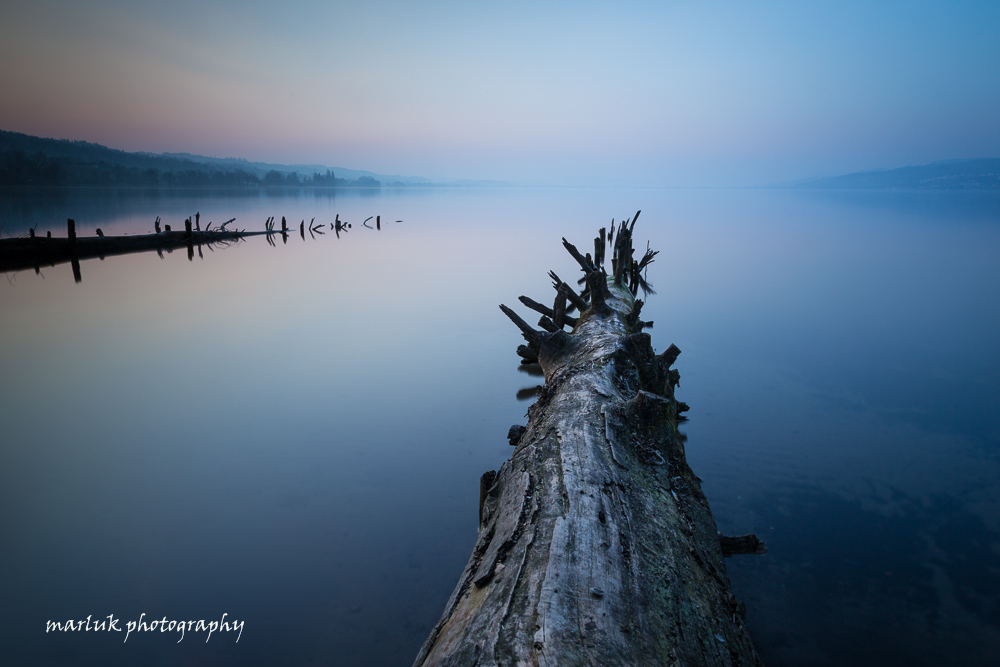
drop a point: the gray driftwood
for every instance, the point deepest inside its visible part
(596, 544)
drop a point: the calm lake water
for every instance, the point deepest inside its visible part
(293, 435)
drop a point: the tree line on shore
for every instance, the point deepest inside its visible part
(33, 161)
(19, 169)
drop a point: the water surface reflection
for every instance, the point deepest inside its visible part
(294, 434)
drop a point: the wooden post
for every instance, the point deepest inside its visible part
(71, 231)
(596, 544)
(378, 222)
(187, 228)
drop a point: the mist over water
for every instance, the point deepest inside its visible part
(294, 435)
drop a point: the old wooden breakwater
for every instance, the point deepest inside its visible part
(596, 544)
(34, 252)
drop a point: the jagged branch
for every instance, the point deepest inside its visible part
(585, 263)
(624, 259)
(528, 354)
(532, 335)
(547, 324)
(545, 310)
(598, 285)
(535, 306)
(575, 299)
(538, 340)
(623, 253)
(559, 309)
(669, 356)
(647, 258)
(632, 319)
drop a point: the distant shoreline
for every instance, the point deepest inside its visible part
(951, 175)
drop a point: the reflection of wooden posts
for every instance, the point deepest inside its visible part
(187, 237)
(741, 544)
(302, 230)
(378, 222)
(71, 234)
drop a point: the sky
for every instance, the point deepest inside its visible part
(670, 93)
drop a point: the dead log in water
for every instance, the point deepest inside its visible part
(33, 251)
(596, 544)
(25, 253)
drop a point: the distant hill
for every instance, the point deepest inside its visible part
(36, 161)
(980, 174)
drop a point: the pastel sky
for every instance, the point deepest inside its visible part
(665, 93)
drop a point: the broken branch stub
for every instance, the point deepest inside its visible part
(575, 299)
(559, 309)
(541, 340)
(584, 263)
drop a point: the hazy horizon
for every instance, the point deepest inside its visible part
(678, 94)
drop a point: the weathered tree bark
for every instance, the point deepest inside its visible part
(596, 544)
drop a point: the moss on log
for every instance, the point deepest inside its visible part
(596, 544)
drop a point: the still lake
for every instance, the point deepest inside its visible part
(294, 435)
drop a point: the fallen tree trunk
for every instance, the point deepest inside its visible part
(24, 253)
(596, 544)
